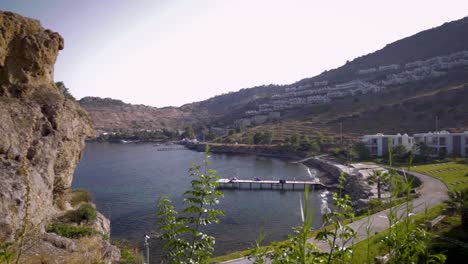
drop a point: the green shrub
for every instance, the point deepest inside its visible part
(128, 254)
(86, 212)
(70, 231)
(375, 204)
(80, 196)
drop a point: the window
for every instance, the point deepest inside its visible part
(374, 141)
(443, 151)
(400, 141)
(442, 141)
(466, 142)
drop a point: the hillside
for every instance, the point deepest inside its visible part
(111, 114)
(401, 87)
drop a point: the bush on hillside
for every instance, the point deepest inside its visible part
(80, 196)
(70, 231)
(86, 212)
(128, 254)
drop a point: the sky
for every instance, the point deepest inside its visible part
(172, 52)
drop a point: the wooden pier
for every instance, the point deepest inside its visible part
(270, 185)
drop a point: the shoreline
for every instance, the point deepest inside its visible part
(270, 151)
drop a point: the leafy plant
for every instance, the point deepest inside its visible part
(297, 249)
(338, 239)
(71, 231)
(86, 212)
(380, 178)
(181, 232)
(6, 255)
(458, 202)
(128, 254)
(361, 150)
(65, 91)
(407, 241)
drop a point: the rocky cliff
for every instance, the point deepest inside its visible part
(41, 134)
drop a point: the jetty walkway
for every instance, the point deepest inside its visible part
(270, 184)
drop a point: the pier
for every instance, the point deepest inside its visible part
(270, 184)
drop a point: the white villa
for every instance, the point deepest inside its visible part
(379, 144)
(442, 142)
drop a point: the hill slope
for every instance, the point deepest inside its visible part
(111, 114)
(427, 63)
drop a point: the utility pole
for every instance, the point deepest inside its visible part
(341, 133)
(437, 123)
(147, 248)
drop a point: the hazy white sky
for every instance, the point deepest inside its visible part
(174, 52)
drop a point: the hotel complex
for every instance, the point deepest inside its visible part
(440, 143)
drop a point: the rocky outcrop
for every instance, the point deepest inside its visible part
(41, 131)
(354, 186)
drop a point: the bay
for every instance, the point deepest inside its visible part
(126, 180)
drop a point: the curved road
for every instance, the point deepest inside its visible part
(433, 192)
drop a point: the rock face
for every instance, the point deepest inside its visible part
(41, 131)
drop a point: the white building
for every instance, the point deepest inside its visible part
(322, 83)
(379, 144)
(444, 143)
(389, 67)
(366, 71)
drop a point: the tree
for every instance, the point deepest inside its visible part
(65, 91)
(399, 152)
(458, 201)
(267, 137)
(263, 137)
(305, 143)
(188, 133)
(379, 178)
(319, 139)
(247, 138)
(294, 142)
(181, 232)
(424, 150)
(361, 150)
(210, 136)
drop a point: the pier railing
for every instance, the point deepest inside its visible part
(270, 184)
